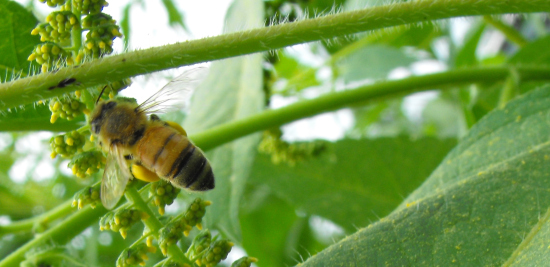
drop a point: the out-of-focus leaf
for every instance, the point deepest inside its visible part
(297, 75)
(125, 25)
(466, 55)
(16, 24)
(36, 118)
(175, 17)
(371, 62)
(486, 204)
(232, 90)
(262, 211)
(355, 181)
(533, 53)
(445, 118)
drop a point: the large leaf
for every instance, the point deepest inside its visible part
(232, 90)
(354, 181)
(487, 203)
(17, 43)
(533, 53)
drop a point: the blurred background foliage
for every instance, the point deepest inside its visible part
(314, 181)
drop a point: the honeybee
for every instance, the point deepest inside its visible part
(154, 148)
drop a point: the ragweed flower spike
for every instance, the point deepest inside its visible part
(194, 213)
(121, 220)
(87, 163)
(163, 194)
(217, 252)
(66, 108)
(67, 145)
(137, 254)
(244, 262)
(88, 195)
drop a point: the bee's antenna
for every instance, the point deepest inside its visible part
(100, 94)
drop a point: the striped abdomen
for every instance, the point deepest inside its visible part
(173, 157)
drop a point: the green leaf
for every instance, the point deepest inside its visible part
(371, 62)
(175, 17)
(125, 25)
(232, 90)
(486, 203)
(354, 181)
(533, 53)
(36, 118)
(466, 55)
(265, 211)
(16, 24)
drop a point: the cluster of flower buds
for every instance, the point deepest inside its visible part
(282, 151)
(163, 194)
(66, 108)
(136, 254)
(216, 252)
(195, 211)
(67, 145)
(58, 27)
(171, 233)
(88, 195)
(87, 163)
(102, 30)
(201, 243)
(53, 3)
(121, 220)
(90, 6)
(244, 262)
(49, 55)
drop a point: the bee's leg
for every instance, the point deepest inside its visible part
(144, 174)
(177, 127)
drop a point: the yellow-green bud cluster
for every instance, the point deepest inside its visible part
(65, 108)
(88, 195)
(136, 254)
(282, 151)
(244, 262)
(49, 55)
(201, 242)
(163, 193)
(87, 163)
(53, 3)
(58, 27)
(171, 233)
(102, 31)
(67, 145)
(121, 220)
(90, 6)
(217, 252)
(195, 211)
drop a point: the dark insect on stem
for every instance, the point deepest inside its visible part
(63, 83)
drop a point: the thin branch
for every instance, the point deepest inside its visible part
(110, 69)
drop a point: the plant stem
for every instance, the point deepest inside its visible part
(512, 34)
(26, 225)
(154, 224)
(271, 118)
(110, 69)
(60, 234)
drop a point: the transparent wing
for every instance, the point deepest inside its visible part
(180, 88)
(115, 178)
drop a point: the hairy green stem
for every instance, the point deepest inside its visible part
(233, 130)
(332, 101)
(110, 69)
(512, 34)
(154, 224)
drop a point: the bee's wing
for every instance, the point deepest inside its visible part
(180, 87)
(115, 178)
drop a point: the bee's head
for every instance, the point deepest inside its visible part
(98, 115)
